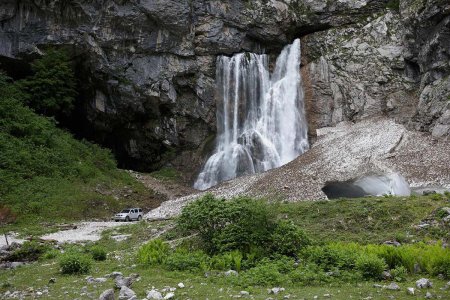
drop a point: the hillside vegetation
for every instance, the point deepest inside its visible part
(45, 173)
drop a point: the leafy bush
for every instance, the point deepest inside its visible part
(50, 254)
(237, 224)
(229, 260)
(75, 263)
(370, 266)
(263, 275)
(98, 253)
(441, 265)
(29, 251)
(52, 88)
(182, 260)
(153, 253)
(399, 273)
(288, 239)
(310, 274)
(333, 256)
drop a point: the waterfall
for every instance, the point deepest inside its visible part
(261, 121)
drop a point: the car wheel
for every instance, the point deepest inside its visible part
(139, 218)
(127, 219)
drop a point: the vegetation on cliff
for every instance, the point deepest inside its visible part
(45, 172)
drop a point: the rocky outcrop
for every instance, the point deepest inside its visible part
(394, 64)
(147, 68)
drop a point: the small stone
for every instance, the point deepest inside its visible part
(377, 286)
(327, 295)
(154, 294)
(393, 287)
(127, 294)
(428, 295)
(386, 275)
(52, 280)
(316, 297)
(231, 273)
(276, 290)
(410, 291)
(106, 295)
(423, 283)
(244, 293)
(169, 296)
(39, 293)
(114, 274)
(181, 285)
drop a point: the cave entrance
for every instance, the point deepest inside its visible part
(371, 185)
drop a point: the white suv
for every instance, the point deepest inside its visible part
(129, 214)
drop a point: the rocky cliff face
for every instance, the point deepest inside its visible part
(147, 67)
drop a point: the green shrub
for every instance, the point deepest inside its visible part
(441, 265)
(229, 260)
(237, 224)
(29, 251)
(50, 254)
(332, 256)
(436, 197)
(288, 239)
(310, 274)
(183, 260)
(52, 87)
(370, 266)
(75, 263)
(98, 253)
(399, 273)
(262, 275)
(153, 252)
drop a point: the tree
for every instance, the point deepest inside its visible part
(6, 217)
(52, 88)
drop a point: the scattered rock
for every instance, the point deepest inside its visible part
(392, 243)
(107, 295)
(423, 283)
(127, 294)
(52, 280)
(114, 274)
(154, 294)
(244, 293)
(169, 296)
(393, 287)
(428, 295)
(327, 295)
(410, 291)
(120, 237)
(92, 280)
(276, 290)
(386, 275)
(181, 285)
(125, 281)
(428, 192)
(377, 286)
(231, 273)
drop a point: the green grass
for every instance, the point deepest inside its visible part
(366, 220)
(319, 219)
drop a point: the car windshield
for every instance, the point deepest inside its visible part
(125, 211)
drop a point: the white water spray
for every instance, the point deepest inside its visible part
(260, 117)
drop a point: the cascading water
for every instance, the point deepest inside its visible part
(260, 117)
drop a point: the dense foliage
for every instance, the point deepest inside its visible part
(44, 171)
(51, 89)
(267, 251)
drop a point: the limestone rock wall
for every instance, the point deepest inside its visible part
(147, 67)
